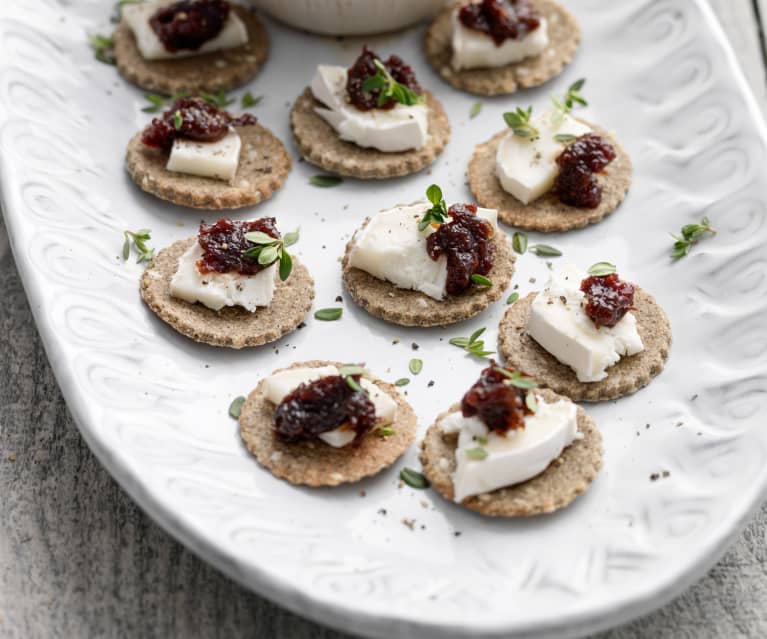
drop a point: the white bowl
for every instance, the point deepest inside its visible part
(349, 17)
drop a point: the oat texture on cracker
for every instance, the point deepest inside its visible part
(412, 308)
(208, 72)
(319, 144)
(630, 374)
(232, 327)
(315, 463)
(547, 213)
(564, 38)
(263, 167)
(566, 477)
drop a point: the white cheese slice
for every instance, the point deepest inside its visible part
(278, 385)
(234, 34)
(560, 325)
(473, 49)
(216, 160)
(216, 290)
(512, 458)
(398, 129)
(390, 247)
(527, 167)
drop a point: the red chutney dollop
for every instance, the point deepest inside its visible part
(365, 68)
(608, 298)
(200, 121)
(498, 404)
(224, 245)
(465, 241)
(501, 19)
(323, 405)
(576, 184)
(188, 24)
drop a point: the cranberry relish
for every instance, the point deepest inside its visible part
(224, 245)
(465, 241)
(499, 404)
(501, 19)
(365, 68)
(321, 406)
(608, 298)
(189, 24)
(576, 184)
(191, 119)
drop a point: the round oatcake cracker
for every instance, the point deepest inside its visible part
(413, 308)
(232, 326)
(263, 168)
(205, 73)
(567, 477)
(564, 38)
(630, 374)
(315, 463)
(319, 144)
(547, 213)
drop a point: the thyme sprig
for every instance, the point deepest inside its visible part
(472, 344)
(103, 48)
(519, 122)
(269, 250)
(690, 235)
(563, 106)
(389, 89)
(349, 372)
(437, 214)
(138, 239)
(601, 269)
(516, 378)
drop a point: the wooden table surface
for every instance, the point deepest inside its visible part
(79, 559)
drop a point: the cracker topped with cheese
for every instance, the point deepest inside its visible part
(200, 156)
(496, 47)
(324, 423)
(372, 120)
(551, 171)
(511, 449)
(189, 46)
(588, 335)
(424, 264)
(234, 285)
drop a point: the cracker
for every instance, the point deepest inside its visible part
(314, 463)
(523, 353)
(547, 213)
(566, 477)
(564, 38)
(414, 308)
(319, 143)
(208, 72)
(232, 326)
(263, 168)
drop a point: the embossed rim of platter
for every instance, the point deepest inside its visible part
(610, 612)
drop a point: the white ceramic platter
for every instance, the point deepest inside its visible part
(153, 405)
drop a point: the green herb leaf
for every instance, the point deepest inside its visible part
(512, 298)
(462, 342)
(259, 237)
(156, 103)
(475, 110)
(402, 381)
(351, 369)
(544, 250)
(325, 181)
(385, 431)
(178, 120)
(519, 122)
(389, 89)
(235, 408)
(602, 268)
(414, 479)
(690, 235)
(219, 100)
(437, 214)
(247, 100)
(472, 344)
(434, 194)
(415, 366)
(516, 378)
(565, 138)
(519, 242)
(289, 239)
(531, 402)
(126, 246)
(481, 280)
(103, 48)
(268, 255)
(476, 454)
(564, 105)
(329, 314)
(139, 239)
(286, 265)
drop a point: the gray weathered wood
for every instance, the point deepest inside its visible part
(79, 559)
